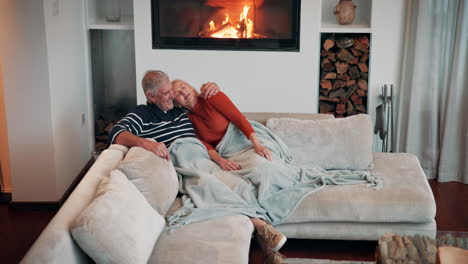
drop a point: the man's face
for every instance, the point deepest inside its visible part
(164, 96)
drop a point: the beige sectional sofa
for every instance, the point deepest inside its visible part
(405, 204)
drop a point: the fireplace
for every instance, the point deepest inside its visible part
(226, 24)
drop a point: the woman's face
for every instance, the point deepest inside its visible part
(184, 94)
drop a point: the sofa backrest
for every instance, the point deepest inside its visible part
(262, 117)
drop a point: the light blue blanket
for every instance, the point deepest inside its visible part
(268, 190)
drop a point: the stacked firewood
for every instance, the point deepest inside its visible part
(102, 128)
(344, 67)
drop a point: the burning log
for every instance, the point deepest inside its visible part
(224, 3)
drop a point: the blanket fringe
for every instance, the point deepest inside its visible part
(374, 181)
(178, 218)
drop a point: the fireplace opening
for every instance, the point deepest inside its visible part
(226, 24)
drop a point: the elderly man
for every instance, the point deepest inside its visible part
(158, 119)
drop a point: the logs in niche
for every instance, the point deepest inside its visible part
(344, 73)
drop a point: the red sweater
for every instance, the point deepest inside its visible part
(211, 118)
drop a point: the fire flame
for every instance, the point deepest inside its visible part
(229, 29)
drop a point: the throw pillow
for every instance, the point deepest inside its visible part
(341, 143)
(155, 177)
(118, 226)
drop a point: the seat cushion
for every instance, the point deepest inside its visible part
(221, 240)
(355, 230)
(405, 197)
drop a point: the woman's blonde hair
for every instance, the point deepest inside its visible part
(186, 83)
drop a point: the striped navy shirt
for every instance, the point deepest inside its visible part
(148, 121)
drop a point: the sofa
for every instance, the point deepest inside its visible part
(405, 204)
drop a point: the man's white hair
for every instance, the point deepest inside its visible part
(152, 80)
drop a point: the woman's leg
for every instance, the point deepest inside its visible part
(268, 237)
(258, 223)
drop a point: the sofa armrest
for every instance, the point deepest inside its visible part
(55, 244)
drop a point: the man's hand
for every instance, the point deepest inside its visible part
(209, 89)
(228, 165)
(157, 148)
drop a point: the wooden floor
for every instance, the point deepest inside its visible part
(20, 228)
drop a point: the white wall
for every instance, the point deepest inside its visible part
(27, 100)
(255, 81)
(46, 93)
(277, 81)
(388, 30)
(69, 92)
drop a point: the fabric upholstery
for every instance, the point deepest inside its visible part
(342, 143)
(55, 244)
(154, 177)
(223, 240)
(354, 230)
(119, 226)
(405, 197)
(263, 117)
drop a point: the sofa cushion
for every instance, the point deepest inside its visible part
(262, 117)
(153, 176)
(219, 241)
(405, 197)
(347, 230)
(341, 143)
(119, 226)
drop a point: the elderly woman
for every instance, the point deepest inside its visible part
(211, 118)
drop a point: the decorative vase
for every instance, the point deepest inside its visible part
(112, 10)
(345, 11)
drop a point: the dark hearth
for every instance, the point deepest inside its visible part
(344, 67)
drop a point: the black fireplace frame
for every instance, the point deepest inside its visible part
(251, 44)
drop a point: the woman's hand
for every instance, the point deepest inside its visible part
(263, 151)
(259, 148)
(228, 165)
